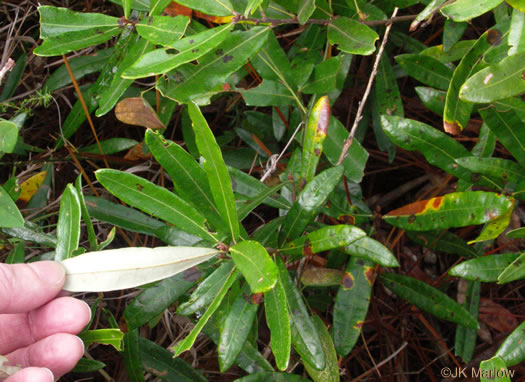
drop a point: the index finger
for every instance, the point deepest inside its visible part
(24, 287)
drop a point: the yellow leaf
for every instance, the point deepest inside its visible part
(31, 186)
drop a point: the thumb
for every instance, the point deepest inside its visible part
(24, 287)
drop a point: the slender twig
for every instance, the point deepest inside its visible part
(350, 138)
(390, 357)
(238, 18)
(84, 106)
(272, 162)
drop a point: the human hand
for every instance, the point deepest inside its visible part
(37, 328)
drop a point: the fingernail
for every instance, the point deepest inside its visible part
(51, 376)
(88, 309)
(82, 342)
(50, 272)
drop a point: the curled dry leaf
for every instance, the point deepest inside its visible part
(137, 111)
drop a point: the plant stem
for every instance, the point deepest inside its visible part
(350, 138)
(238, 18)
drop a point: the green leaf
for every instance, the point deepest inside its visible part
(272, 63)
(454, 53)
(432, 98)
(351, 36)
(131, 356)
(486, 143)
(268, 93)
(458, 209)
(160, 362)
(457, 112)
(251, 187)
(305, 338)
(256, 265)
(278, 321)
(70, 41)
(512, 350)
(187, 343)
(86, 365)
(305, 10)
(355, 161)
(429, 299)
(309, 203)
(517, 32)
(494, 228)
(249, 359)
(324, 77)
(351, 304)
(507, 127)
(210, 7)
(465, 341)
(110, 146)
(494, 369)
(188, 177)
(122, 216)
(157, 6)
(428, 11)
(31, 235)
(517, 233)
(8, 136)
(109, 96)
(502, 80)
(444, 242)
(155, 200)
(326, 238)
(235, 330)
(503, 171)
(438, 148)
(190, 48)
(111, 337)
(245, 209)
(11, 216)
(271, 376)
(215, 168)
(485, 269)
(426, 69)
(370, 249)
(56, 21)
(514, 271)
(68, 226)
(215, 67)
(163, 30)
(331, 371)
(464, 10)
(152, 301)
(388, 97)
(126, 4)
(203, 295)
(13, 79)
(92, 237)
(314, 136)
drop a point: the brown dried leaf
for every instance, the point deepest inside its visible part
(496, 316)
(136, 153)
(174, 9)
(137, 111)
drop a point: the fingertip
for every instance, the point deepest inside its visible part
(32, 374)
